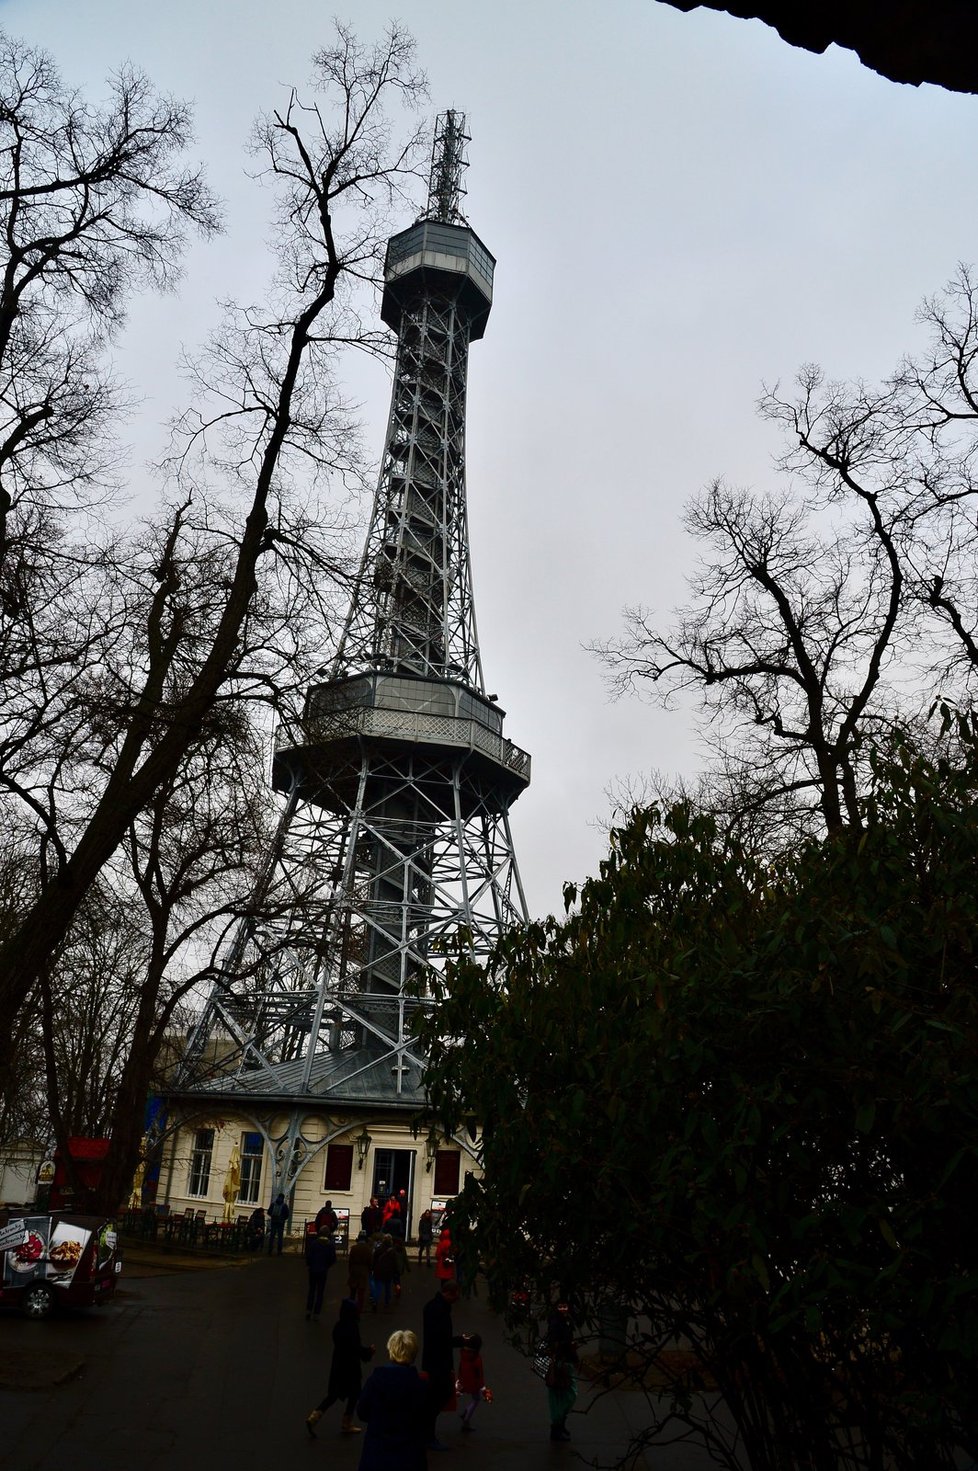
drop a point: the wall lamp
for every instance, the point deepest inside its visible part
(363, 1142)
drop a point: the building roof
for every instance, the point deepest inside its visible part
(361, 1076)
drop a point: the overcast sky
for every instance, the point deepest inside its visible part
(682, 208)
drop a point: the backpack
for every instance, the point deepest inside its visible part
(322, 1253)
(385, 1264)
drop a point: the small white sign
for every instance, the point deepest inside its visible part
(13, 1234)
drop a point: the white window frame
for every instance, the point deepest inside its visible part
(201, 1160)
(249, 1190)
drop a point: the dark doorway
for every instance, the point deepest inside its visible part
(394, 1172)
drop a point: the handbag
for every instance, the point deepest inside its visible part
(558, 1375)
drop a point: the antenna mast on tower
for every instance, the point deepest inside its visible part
(448, 164)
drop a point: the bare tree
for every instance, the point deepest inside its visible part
(23, 1112)
(88, 1001)
(94, 202)
(789, 634)
(148, 934)
(190, 861)
(843, 603)
(205, 604)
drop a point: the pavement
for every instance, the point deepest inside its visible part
(209, 1362)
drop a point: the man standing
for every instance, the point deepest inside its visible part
(371, 1217)
(278, 1215)
(437, 1357)
(326, 1219)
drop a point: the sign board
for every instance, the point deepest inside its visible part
(13, 1234)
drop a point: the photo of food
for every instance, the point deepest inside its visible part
(25, 1257)
(65, 1251)
(65, 1254)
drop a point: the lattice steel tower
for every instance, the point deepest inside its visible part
(399, 780)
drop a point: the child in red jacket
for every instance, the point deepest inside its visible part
(471, 1378)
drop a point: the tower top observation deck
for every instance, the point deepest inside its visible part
(440, 253)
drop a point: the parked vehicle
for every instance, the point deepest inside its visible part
(61, 1259)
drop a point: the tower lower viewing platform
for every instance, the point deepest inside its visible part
(381, 712)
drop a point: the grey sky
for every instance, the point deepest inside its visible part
(681, 207)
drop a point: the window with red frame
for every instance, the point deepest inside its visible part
(447, 1165)
(339, 1167)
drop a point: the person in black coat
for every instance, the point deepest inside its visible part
(438, 1357)
(371, 1217)
(255, 1230)
(320, 1256)
(345, 1371)
(394, 1403)
(278, 1217)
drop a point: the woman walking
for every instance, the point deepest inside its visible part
(382, 1273)
(320, 1256)
(394, 1404)
(561, 1380)
(359, 1264)
(345, 1372)
(426, 1231)
(445, 1257)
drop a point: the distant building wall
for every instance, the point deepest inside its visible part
(197, 1157)
(19, 1164)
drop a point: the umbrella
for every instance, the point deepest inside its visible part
(232, 1183)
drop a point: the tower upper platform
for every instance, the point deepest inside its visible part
(445, 259)
(450, 722)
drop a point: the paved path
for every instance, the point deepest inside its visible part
(218, 1368)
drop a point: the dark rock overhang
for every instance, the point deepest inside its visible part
(909, 41)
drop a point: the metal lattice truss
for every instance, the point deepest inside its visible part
(365, 897)
(399, 779)
(448, 164)
(413, 607)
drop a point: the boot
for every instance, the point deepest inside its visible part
(348, 1427)
(312, 1420)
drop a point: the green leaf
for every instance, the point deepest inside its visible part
(886, 1231)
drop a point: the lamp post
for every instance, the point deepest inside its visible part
(363, 1142)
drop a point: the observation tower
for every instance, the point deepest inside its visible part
(398, 780)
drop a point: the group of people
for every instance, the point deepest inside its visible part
(377, 1259)
(400, 1404)
(267, 1226)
